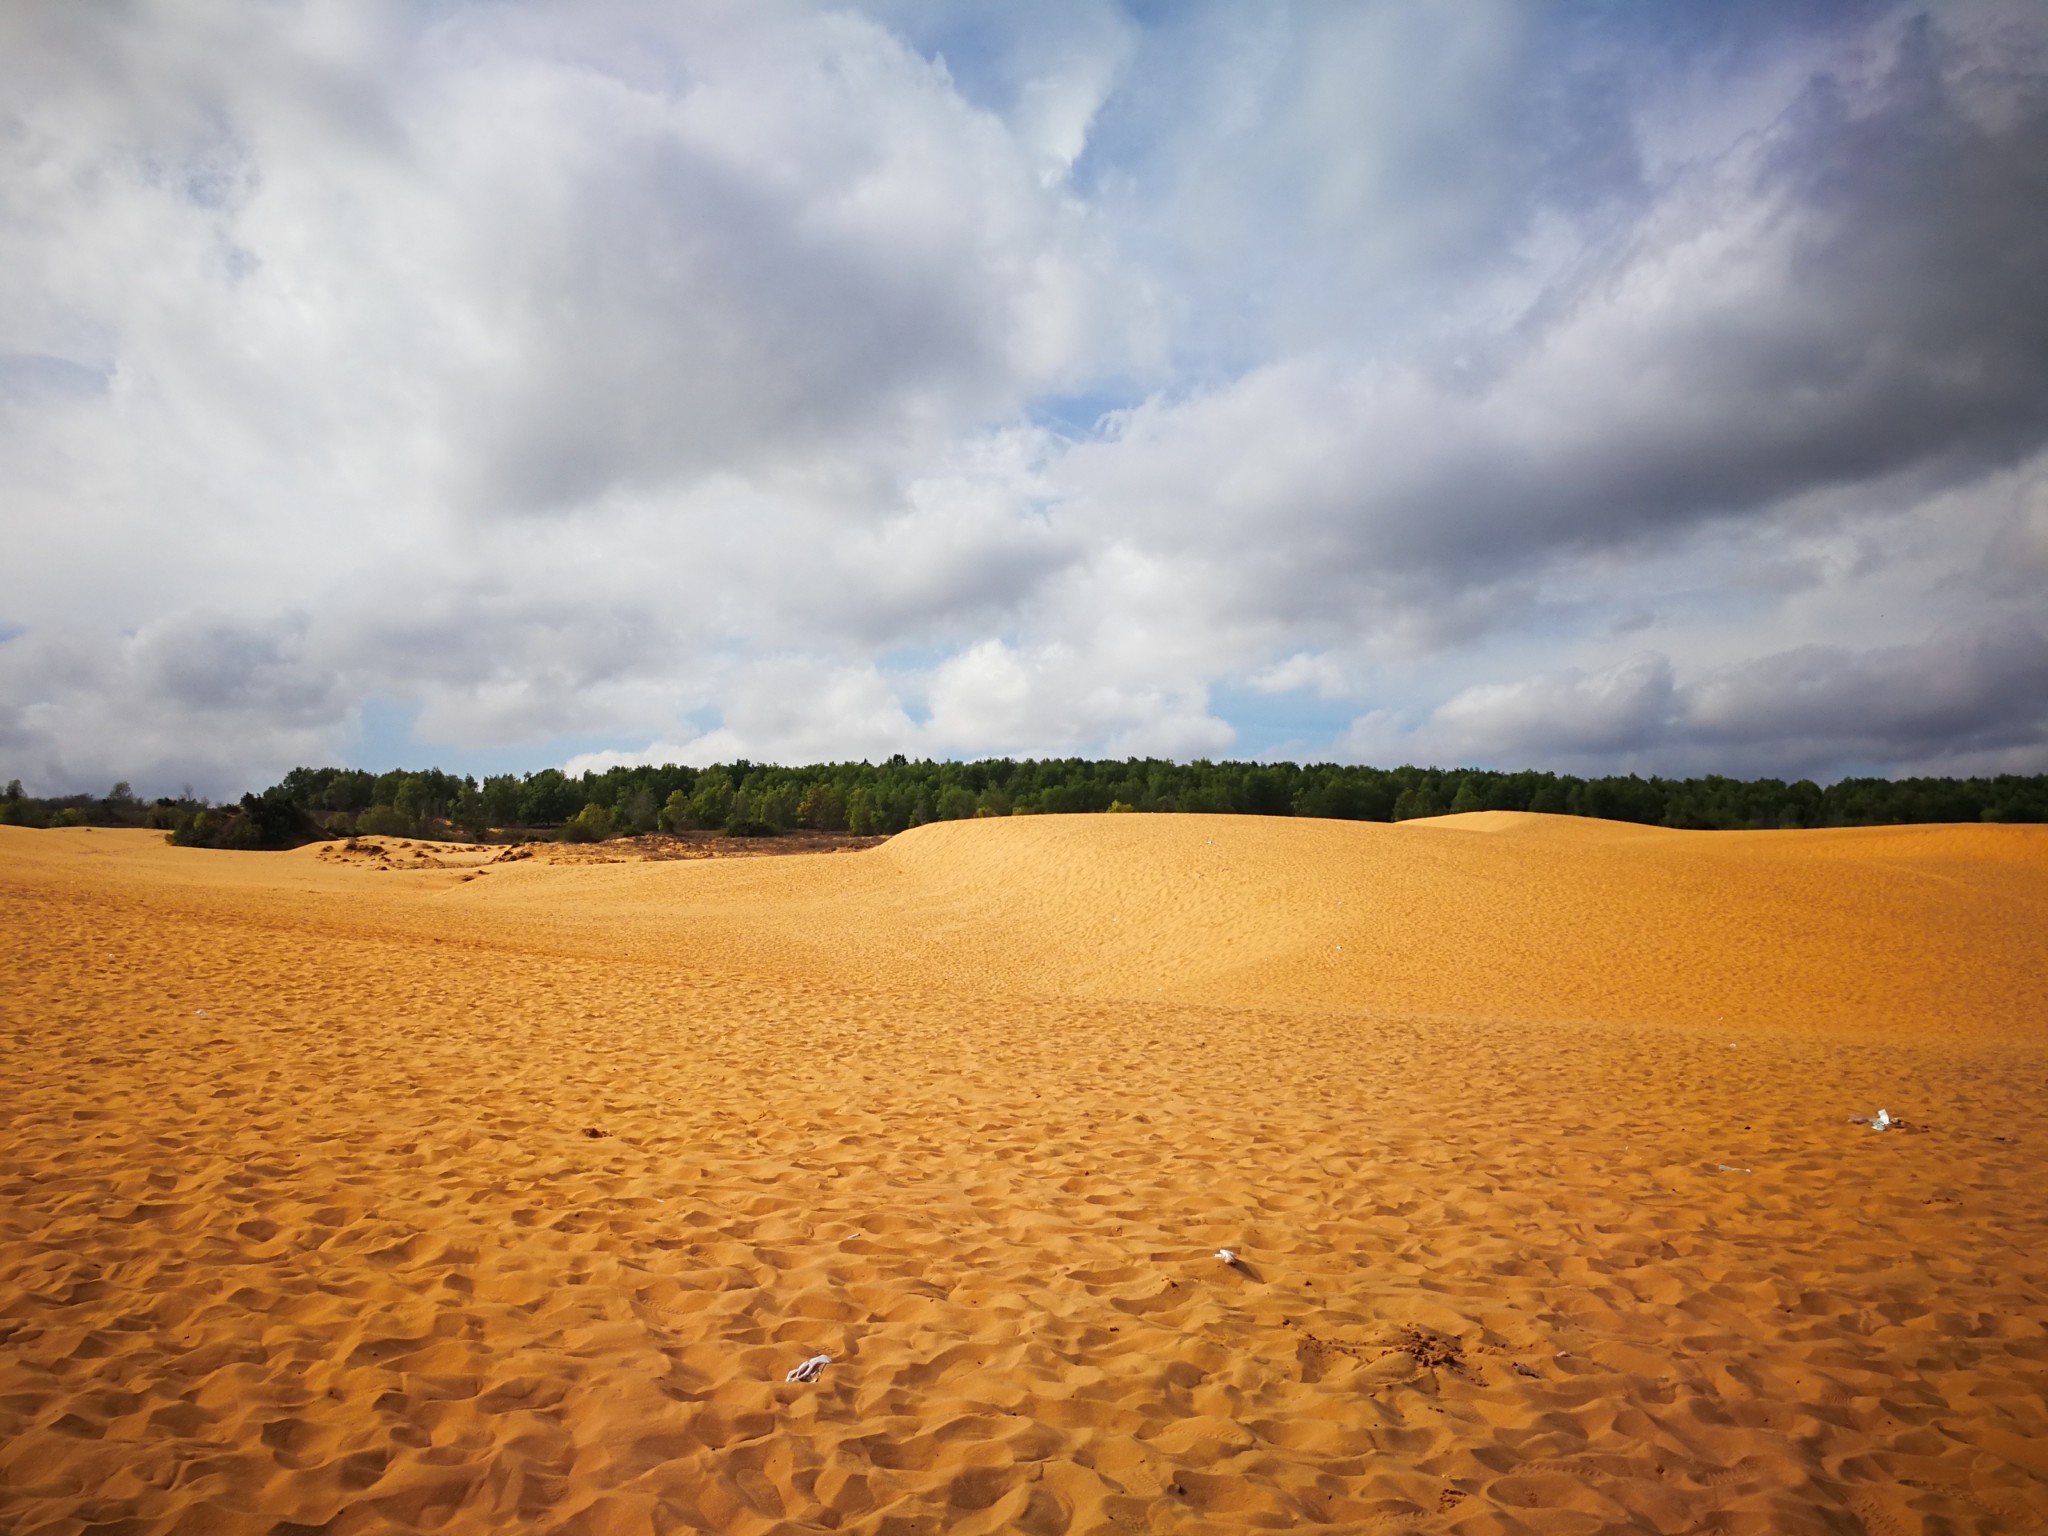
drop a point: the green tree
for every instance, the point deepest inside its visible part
(1265, 792)
(415, 798)
(637, 812)
(1469, 797)
(863, 818)
(500, 795)
(1415, 801)
(675, 812)
(468, 813)
(776, 807)
(823, 807)
(549, 799)
(711, 805)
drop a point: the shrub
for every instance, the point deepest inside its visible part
(270, 820)
(750, 827)
(383, 821)
(200, 828)
(592, 824)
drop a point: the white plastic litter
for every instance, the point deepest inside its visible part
(1731, 1168)
(1883, 1122)
(1226, 1255)
(810, 1370)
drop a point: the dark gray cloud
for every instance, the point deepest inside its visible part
(1958, 699)
(175, 701)
(1850, 297)
(1964, 703)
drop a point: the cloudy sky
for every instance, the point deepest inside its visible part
(493, 385)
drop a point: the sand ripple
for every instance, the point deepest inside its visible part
(343, 1201)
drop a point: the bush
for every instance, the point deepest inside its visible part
(269, 820)
(592, 824)
(383, 821)
(750, 827)
(200, 828)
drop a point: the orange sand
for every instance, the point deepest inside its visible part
(501, 1197)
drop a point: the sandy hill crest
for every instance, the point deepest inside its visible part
(1911, 929)
(1888, 930)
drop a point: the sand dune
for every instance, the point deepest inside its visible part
(364, 1195)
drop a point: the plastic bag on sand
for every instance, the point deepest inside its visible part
(810, 1370)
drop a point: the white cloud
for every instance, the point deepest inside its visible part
(1606, 713)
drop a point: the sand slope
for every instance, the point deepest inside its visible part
(500, 1197)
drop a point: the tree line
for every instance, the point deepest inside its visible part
(878, 799)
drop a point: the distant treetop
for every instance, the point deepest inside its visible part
(871, 799)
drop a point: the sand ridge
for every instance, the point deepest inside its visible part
(370, 1202)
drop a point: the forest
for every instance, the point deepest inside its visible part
(877, 799)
